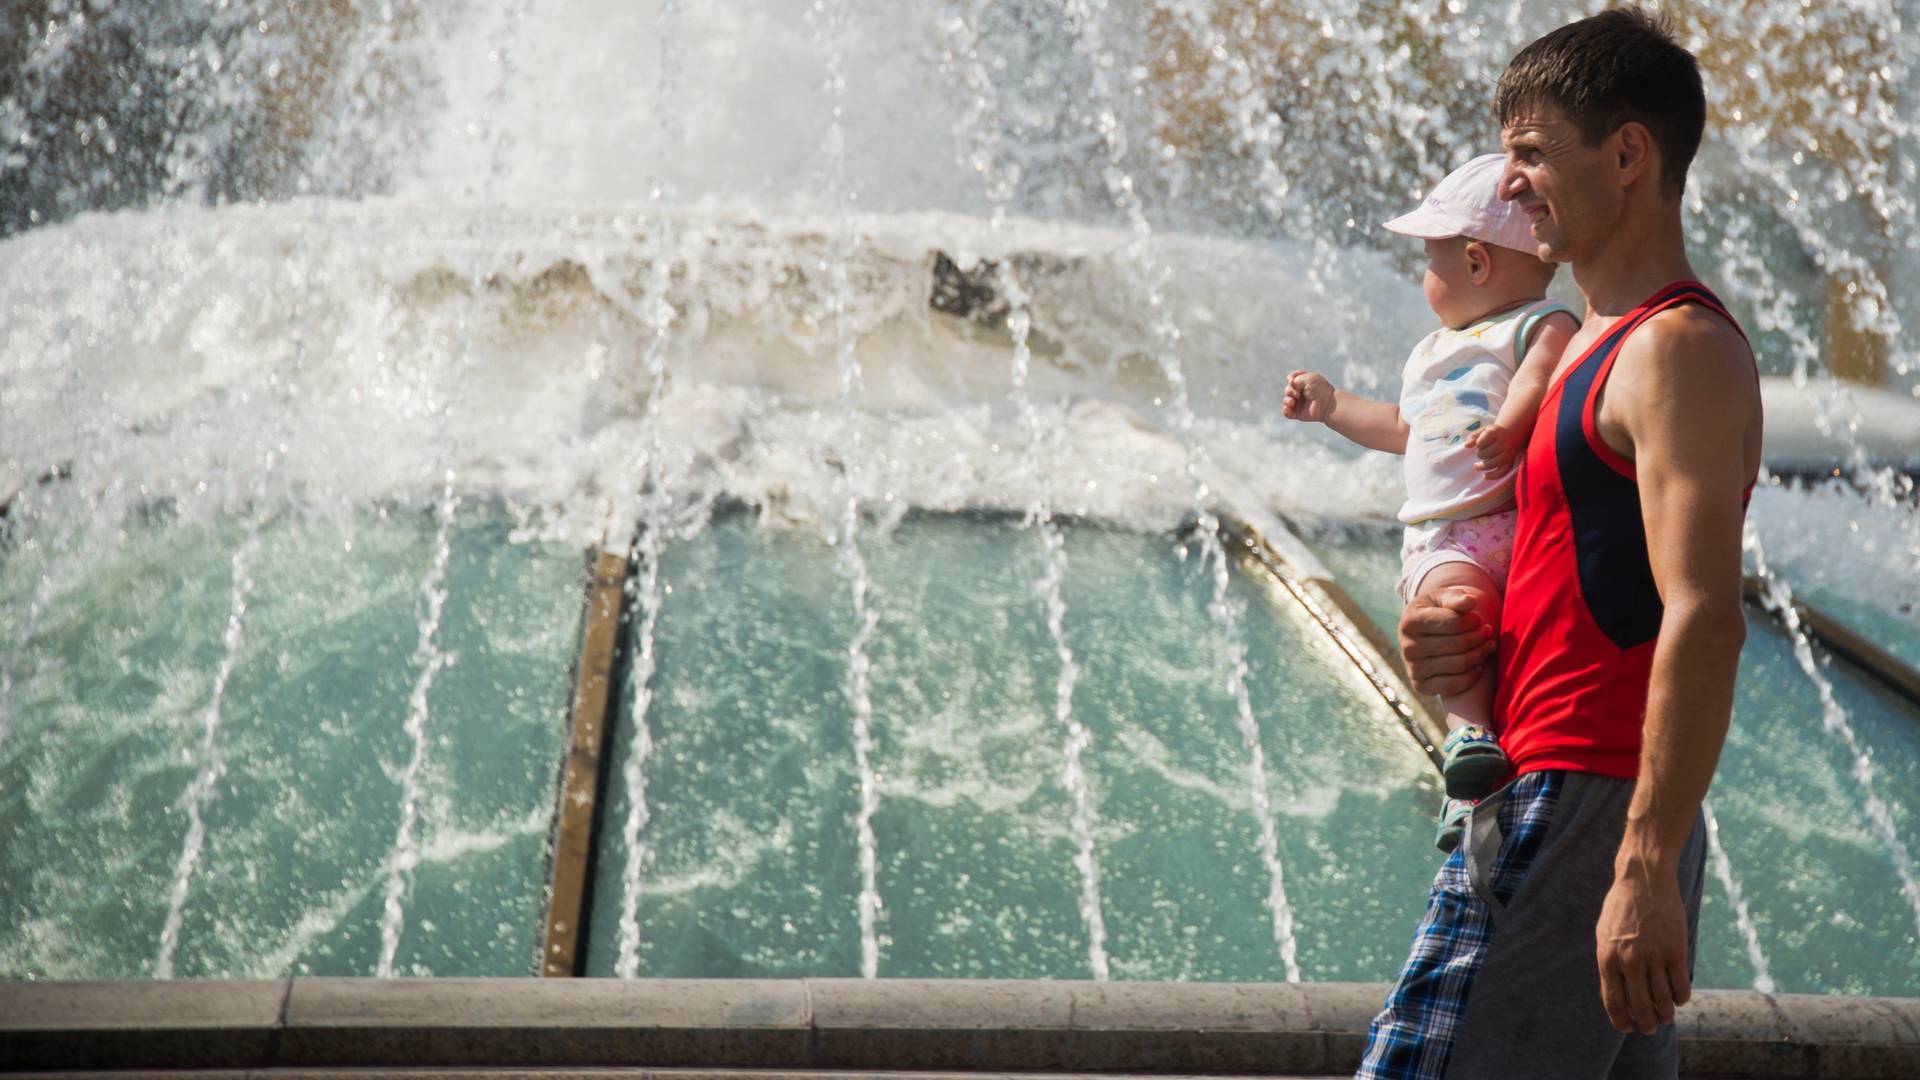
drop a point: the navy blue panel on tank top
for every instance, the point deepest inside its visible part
(1609, 535)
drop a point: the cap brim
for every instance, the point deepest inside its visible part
(1423, 224)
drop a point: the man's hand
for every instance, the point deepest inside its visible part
(1445, 643)
(1308, 397)
(1642, 948)
(1497, 448)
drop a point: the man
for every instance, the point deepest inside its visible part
(1559, 939)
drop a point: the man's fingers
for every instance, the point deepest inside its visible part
(1613, 997)
(1448, 655)
(1424, 619)
(1639, 998)
(1436, 651)
(1661, 990)
(1681, 978)
(1421, 637)
(1427, 657)
(1425, 612)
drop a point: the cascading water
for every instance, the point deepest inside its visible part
(24, 628)
(1834, 718)
(653, 486)
(638, 813)
(1121, 187)
(1179, 203)
(1743, 918)
(428, 659)
(986, 160)
(211, 763)
(829, 27)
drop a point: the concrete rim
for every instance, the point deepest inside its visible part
(843, 1024)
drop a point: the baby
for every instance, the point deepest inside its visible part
(1467, 404)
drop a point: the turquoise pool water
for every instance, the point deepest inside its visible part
(751, 867)
(751, 759)
(749, 848)
(107, 710)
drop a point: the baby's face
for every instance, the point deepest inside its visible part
(1449, 282)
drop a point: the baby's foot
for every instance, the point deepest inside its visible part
(1453, 823)
(1473, 763)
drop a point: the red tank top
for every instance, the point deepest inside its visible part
(1581, 611)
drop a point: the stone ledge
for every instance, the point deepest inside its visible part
(184, 1024)
(716, 1022)
(848, 1025)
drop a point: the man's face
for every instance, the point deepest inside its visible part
(1564, 186)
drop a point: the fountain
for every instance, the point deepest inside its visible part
(901, 341)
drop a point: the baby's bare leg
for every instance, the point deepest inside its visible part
(1474, 706)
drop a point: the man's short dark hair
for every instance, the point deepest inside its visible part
(1602, 72)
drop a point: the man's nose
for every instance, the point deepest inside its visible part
(1512, 183)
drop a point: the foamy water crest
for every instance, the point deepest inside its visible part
(153, 350)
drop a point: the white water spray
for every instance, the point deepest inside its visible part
(1742, 918)
(18, 659)
(659, 321)
(985, 117)
(1073, 775)
(212, 763)
(647, 551)
(428, 658)
(1122, 189)
(1834, 718)
(828, 21)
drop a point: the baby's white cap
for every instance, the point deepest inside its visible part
(1468, 203)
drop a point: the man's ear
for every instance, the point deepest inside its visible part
(1479, 262)
(1634, 153)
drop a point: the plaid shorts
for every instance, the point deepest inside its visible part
(1413, 1036)
(1502, 979)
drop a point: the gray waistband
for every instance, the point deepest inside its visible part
(1483, 846)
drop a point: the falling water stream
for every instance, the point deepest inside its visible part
(993, 170)
(1834, 719)
(647, 553)
(211, 762)
(827, 22)
(428, 660)
(28, 622)
(1121, 188)
(1743, 918)
(647, 544)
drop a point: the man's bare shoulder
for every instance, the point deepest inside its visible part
(1691, 342)
(1684, 388)
(1685, 357)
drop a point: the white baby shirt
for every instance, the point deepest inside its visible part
(1453, 386)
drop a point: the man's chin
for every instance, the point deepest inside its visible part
(1552, 248)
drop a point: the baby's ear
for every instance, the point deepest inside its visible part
(1479, 262)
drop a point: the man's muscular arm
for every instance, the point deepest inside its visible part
(1683, 394)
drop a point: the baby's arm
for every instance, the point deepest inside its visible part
(1500, 443)
(1375, 425)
